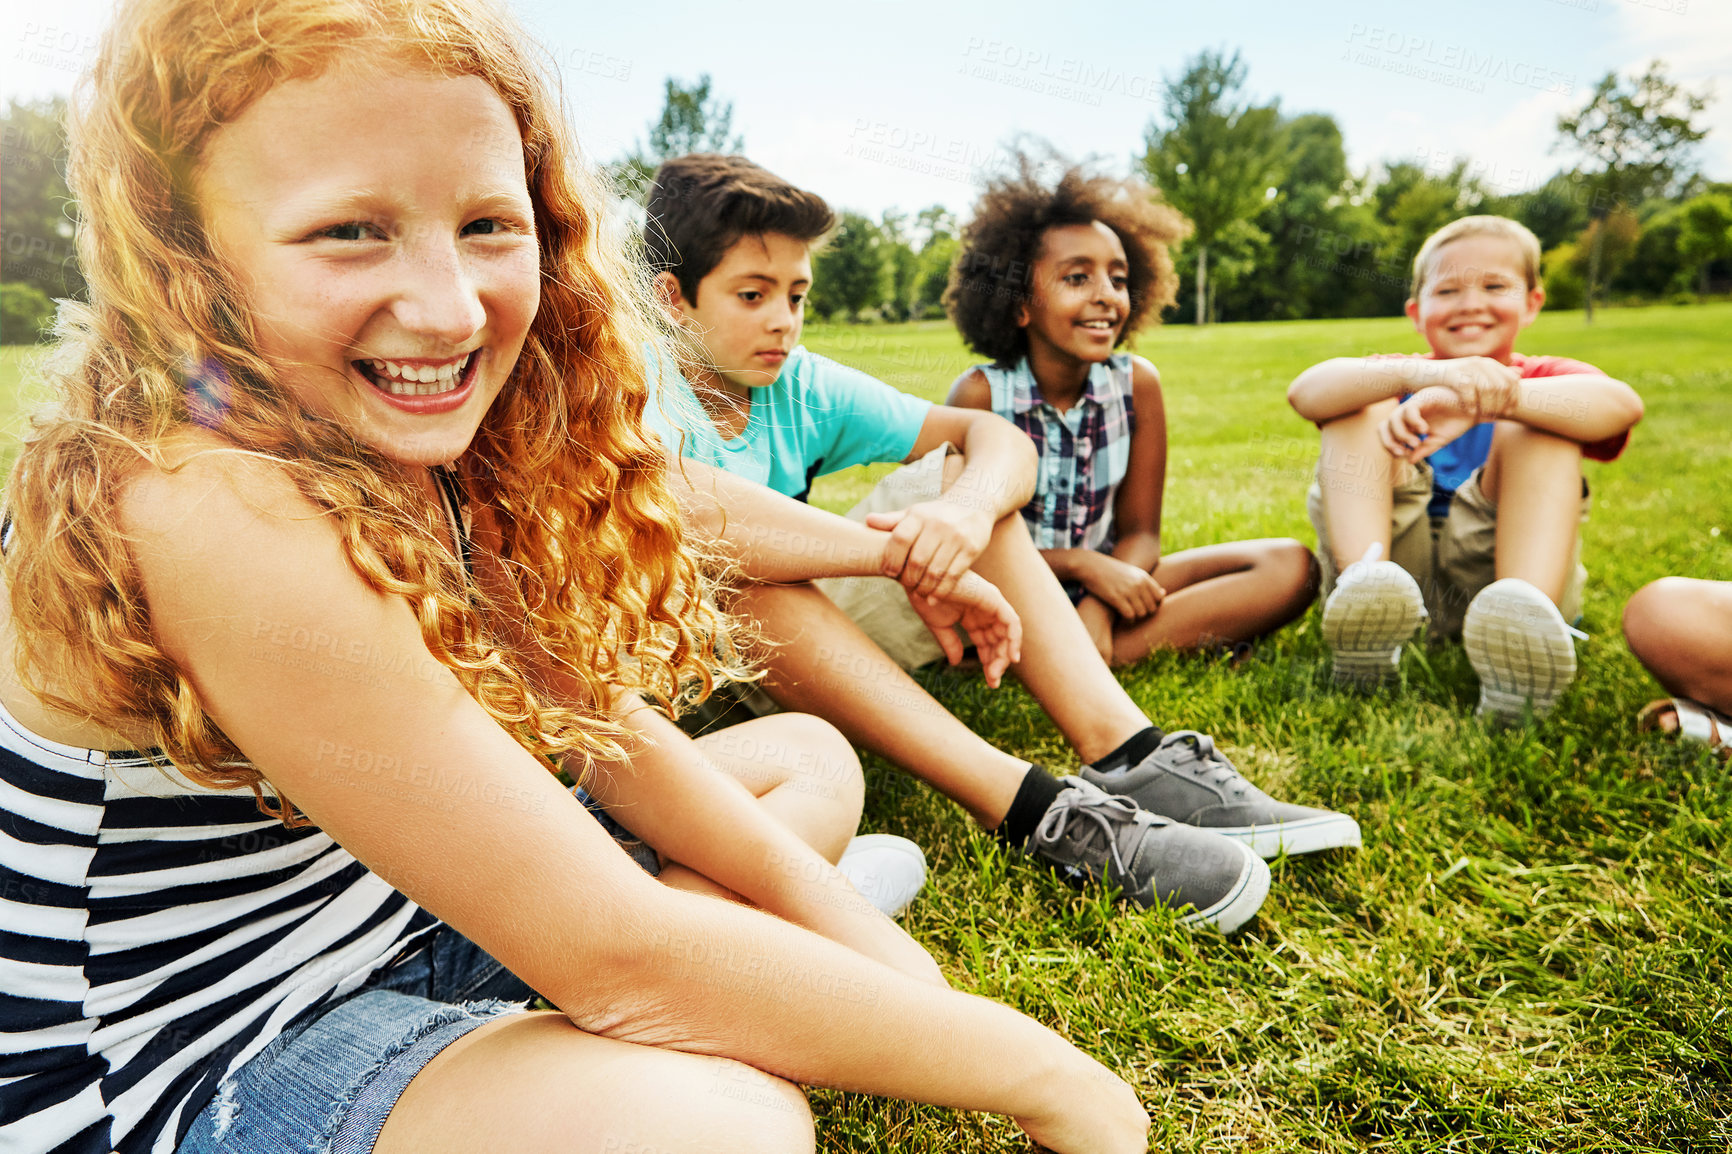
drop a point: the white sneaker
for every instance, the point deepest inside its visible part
(1520, 647)
(1373, 610)
(889, 871)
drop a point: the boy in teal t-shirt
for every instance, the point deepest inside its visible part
(816, 417)
(730, 245)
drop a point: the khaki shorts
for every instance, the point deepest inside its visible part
(1451, 557)
(878, 605)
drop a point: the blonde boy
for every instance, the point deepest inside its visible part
(1450, 482)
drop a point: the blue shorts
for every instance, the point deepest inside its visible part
(326, 1084)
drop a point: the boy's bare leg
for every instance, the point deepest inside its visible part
(1221, 594)
(1060, 665)
(1534, 479)
(820, 662)
(1681, 630)
(1358, 477)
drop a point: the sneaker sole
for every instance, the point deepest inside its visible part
(1519, 645)
(1366, 624)
(1240, 905)
(1310, 835)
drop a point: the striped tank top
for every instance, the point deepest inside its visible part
(155, 935)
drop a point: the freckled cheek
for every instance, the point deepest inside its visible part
(515, 298)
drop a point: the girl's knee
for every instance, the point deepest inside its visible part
(757, 1111)
(1293, 572)
(730, 1107)
(1650, 616)
(825, 765)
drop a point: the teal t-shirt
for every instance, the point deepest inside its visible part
(816, 418)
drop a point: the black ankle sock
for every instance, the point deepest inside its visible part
(1136, 747)
(1036, 793)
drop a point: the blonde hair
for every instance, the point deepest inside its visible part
(592, 536)
(1518, 234)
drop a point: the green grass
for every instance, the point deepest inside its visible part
(1530, 953)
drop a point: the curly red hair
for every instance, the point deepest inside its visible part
(609, 592)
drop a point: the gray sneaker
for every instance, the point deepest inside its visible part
(1087, 834)
(1187, 779)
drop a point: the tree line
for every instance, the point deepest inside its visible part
(1282, 228)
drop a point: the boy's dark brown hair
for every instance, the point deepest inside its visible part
(1000, 245)
(700, 205)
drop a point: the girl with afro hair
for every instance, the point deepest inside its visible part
(1053, 278)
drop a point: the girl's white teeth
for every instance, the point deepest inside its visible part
(417, 380)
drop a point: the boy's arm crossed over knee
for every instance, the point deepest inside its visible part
(933, 543)
(1343, 385)
(1587, 407)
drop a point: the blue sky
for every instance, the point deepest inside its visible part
(906, 102)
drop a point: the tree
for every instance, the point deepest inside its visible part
(1321, 257)
(1556, 211)
(1214, 159)
(848, 272)
(35, 206)
(901, 264)
(692, 120)
(1705, 235)
(1413, 203)
(935, 228)
(1637, 134)
(25, 313)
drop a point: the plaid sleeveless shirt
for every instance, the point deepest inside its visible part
(1083, 452)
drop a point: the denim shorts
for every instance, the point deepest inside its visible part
(326, 1084)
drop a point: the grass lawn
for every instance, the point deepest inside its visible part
(1532, 950)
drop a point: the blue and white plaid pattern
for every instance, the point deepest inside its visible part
(1083, 452)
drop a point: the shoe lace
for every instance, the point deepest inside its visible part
(1204, 758)
(1084, 801)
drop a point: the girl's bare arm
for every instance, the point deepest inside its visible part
(327, 686)
(1137, 512)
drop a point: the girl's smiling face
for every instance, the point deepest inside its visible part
(378, 218)
(1079, 294)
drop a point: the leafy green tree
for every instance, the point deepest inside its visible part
(1410, 203)
(1213, 157)
(1636, 135)
(901, 264)
(1556, 211)
(1568, 267)
(35, 206)
(25, 313)
(1655, 267)
(1321, 257)
(935, 230)
(848, 272)
(693, 119)
(1706, 235)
